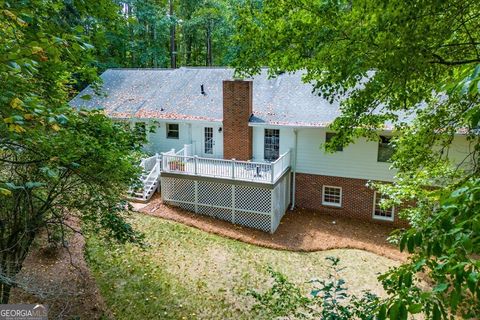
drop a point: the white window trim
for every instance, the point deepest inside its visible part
(168, 130)
(332, 204)
(374, 216)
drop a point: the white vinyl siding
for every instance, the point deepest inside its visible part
(286, 141)
(198, 139)
(332, 196)
(357, 160)
(191, 132)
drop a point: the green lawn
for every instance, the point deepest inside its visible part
(185, 273)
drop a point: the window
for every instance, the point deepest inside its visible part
(332, 196)
(172, 130)
(385, 149)
(272, 144)
(208, 134)
(379, 213)
(329, 136)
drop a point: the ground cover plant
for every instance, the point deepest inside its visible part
(186, 273)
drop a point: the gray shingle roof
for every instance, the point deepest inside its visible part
(175, 94)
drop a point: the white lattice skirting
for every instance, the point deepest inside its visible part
(255, 205)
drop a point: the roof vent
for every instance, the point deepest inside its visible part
(202, 90)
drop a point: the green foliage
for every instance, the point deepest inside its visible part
(412, 67)
(57, 165)
(282, 299)
(446, 247)
(402, 48)
(329, 299)
(137, 33)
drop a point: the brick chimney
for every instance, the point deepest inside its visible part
(237, 109)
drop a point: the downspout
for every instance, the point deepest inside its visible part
(294, 169)
(190, 138)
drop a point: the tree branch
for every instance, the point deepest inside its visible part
(441, 60)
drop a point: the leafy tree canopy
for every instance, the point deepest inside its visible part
(413, 67)
(55, 162)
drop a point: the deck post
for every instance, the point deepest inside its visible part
(195, 164)
(196, 195)
(157, 158)
(272, 208)
(272, 171)
(233, 169)
(164, 162)
(233, 203)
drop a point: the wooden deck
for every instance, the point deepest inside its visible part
(267, 172)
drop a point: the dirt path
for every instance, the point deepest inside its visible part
(60, 278)
(300, 230)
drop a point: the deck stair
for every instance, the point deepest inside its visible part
(149, 180)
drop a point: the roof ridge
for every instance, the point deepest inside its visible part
(141, 69)
(206, 67)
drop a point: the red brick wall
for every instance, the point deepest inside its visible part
(237, 109)
(357, 198)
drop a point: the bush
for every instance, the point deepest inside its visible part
(329, 299)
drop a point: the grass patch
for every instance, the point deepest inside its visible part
(185, 273)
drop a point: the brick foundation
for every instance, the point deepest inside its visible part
(237, 109)
(357, 198)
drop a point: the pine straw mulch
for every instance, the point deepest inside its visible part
(60, 278)
(299, 230)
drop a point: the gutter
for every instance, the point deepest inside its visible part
(294, 169)
(299, 126)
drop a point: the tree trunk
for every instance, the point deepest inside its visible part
(188, 59)
(12, 257)
(5, 290)
(19, 225)
(173, 47)
(131, 34)
(209, 46)
(155, 52)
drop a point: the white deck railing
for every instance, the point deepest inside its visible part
(279, 165)
(219, 168)
(185, 151)
(148, 163)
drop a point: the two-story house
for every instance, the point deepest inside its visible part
(247, 150)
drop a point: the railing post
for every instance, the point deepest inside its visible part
(187, 150)
(233, 168)
(272, 171)
(164, 162)
(157, 161)
(195, 165)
